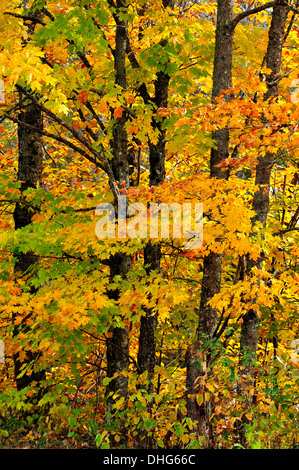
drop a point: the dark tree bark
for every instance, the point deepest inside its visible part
(152, 253)
(250, 320)
(249, 331)
(120, 264)
(211, 282)
(30, 164)
(222, 79)
(120, 163)
(29, 173)
(196, 358)
(157, 151)
(118, 342)
(146, 358)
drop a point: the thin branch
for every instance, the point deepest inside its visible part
(98, 26)
(62, 123)
(249, 12)
(99, 161)
(80, 54)
(186, 279)
(220, 330)
(111, 3)
(106, 340)
(57, 138)
(48, 14)
(84, 60)
(95, 115)
(142, 89)
(294, 219)
(290, 24)
(47, 153)
(88, 129)
(33, 19)
(294, 9)
(286, 230)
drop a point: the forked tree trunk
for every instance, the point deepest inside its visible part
(250, 320)
(250, 324)
(120, 263)
(196, 358)
(146, 357)
(152, 252)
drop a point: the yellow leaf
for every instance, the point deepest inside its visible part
(199, 399)
(210, 387)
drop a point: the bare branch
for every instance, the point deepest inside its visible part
(60, 139)
(286, 230)
(33, 19)
(62, 123)
(294, 9)
(249, 12)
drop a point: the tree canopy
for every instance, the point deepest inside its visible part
(136, 340)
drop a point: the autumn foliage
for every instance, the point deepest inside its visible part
(138, 115)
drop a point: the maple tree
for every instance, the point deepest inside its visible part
(140, 342)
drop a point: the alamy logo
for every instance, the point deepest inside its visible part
(295, 91)
(2, 92)
(295, 353)
(159, 220)
(2, 353)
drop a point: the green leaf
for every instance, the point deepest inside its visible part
(179, 431)
(149, 424)
(106, 381)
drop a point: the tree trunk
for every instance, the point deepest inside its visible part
(30, 174)
(250, 321)
(120, 263)
(249, 331)
(196, 357)
(146, 357)
(30, 165)
(118, 341)
(152, 252)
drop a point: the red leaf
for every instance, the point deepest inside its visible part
(82, 97)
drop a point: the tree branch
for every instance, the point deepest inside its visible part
(286, 230)
(60, 139)
(62, 123)
(249, 12)
(31, 18)
(95, 158)
(294, 9)
(142, 89)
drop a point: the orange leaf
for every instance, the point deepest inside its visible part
(118, 112)
(5, 225)
(76, 125)
(133, 129)
(82, 97)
